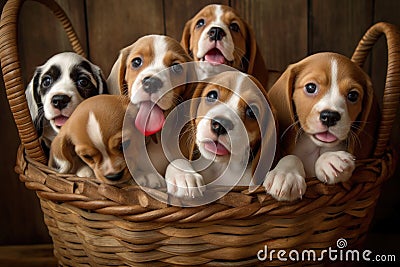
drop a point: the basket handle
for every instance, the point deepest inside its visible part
(391, 96)
(11, 67)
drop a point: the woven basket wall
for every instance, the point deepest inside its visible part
(102, 225)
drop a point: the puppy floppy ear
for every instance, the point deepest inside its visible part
(99, 76)
(254, 61)
(281, 98)
(194, 104)
(116, 80)
(367, 101)
(366, 123)
(186, 35)
(62, 154)
(266, 146)
(34, 101)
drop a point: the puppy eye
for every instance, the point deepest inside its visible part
(83, 82)
(234, 27)
(177, 68)
(124, 145)
(352, 96)
(212, 96)
(200, 23)
(87, 157)
(47, 81)
(252, 112)
(136, 62)
(311, 88)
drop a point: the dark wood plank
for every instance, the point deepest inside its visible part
(277, 26)
(41, 35)
(177, 12)
(27, 256)
(387, 216)
(280, 28)
(338, 25)
(113, 25)
(385, 10)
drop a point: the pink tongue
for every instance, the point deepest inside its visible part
(326, 137)
(60, 121)
(150, 118)
(214, 56)
(216, 148)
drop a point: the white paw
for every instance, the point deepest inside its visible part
(334, 167)
(151, 180)
(85, 171)
(183, 181)
(286, 182)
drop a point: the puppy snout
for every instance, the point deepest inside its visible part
(114, 176)
(216, 34)
(221, 126)
(151, 84)
(60, 101)
(329, 117)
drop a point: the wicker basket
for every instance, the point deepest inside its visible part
(102, 225)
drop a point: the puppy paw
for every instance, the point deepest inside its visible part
(85, 171)
(286, 182)
(183, 181)
(334, 167)
(151, 180)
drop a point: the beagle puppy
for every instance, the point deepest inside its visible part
(152, 73)
(90, 142)
(57, 88)
(218, 35)
(233, 130)
(322, 105)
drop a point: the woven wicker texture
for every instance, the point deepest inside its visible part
(102, 225)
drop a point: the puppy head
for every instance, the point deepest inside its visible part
(93, 136)
(151, 72)
(327, 95)
(218, 35)
(228, 110)
(58, 86)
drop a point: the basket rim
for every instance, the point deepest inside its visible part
(132, 203)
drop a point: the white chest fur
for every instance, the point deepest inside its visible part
(309, 153)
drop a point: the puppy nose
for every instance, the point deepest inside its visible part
(216, 34)
(151, 84)
(220, 126)
(60, 101)
(329, 117)
(114, 176)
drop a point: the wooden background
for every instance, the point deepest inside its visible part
(286, 32)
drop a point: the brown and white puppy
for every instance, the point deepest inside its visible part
(152, 73)
(57, 88)
(218, 35)
(233, 129)
(322, 105)
(90, 142)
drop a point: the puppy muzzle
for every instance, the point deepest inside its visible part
(115, 176)
(216, 34)
(60, 101)
(152, 85)
(221, 126)
(329, 118)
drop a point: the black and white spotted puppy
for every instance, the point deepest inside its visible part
(57, 88)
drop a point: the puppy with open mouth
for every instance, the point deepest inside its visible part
(322, 103)
(233, 130)
(151, 72)
(218, 35)
(57, 88)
